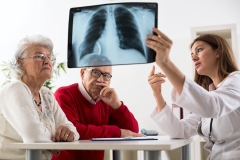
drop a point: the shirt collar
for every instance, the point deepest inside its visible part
(212, 87)
(85, 93)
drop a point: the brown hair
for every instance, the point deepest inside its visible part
(227, 62)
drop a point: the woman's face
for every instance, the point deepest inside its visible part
(205, 58)
(33, 68)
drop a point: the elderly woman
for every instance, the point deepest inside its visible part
(29, 111)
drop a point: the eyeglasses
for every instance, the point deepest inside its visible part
(96, 73)
(41, 58)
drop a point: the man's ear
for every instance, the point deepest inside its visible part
(82, 73)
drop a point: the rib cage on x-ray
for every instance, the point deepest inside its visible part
(126, 28)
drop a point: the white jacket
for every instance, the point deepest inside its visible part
(221, 104)
(21, 122)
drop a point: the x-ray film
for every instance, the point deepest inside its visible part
(116, 31)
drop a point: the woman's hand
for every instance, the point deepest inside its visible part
(155, 81)
(63, 134)
(161, 44)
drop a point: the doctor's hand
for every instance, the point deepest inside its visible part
(128, 133)
(109, 96)
(161, 44)
(155, 81)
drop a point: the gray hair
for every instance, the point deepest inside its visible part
(22, 48)
(96, 60)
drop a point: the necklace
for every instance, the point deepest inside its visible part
(38, 104)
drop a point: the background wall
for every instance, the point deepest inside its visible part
(50, 18)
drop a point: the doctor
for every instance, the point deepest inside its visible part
(213, 97)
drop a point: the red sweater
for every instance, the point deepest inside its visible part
(92, 121)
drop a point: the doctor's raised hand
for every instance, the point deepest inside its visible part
(155, 80)
(161, 44)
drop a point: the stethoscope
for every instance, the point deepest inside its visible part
(210, 131)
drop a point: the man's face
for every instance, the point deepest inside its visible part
(90, 82)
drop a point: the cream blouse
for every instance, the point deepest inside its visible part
(22, 121)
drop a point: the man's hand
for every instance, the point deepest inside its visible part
(109, 96)
(63, 134)
(127, 133)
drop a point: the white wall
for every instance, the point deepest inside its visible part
(50, 18)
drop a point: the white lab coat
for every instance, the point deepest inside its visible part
(221, 104)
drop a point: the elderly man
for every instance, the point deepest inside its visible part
(95, 109)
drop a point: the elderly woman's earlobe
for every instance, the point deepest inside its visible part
(21, 65)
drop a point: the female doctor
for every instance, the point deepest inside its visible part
(213, 97)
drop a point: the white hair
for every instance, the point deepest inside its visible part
(96, 60)
(21, 51)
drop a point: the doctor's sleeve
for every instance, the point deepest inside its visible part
(174, 127)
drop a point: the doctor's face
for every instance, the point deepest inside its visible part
(95, 78)
(205, 58)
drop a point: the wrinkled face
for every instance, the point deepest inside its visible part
(205, 58)
(89, 81)
(32, 67)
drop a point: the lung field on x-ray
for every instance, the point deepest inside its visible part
(95, 28)
(128, 32)
(113, 31)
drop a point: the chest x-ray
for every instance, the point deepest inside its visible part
(117, 31)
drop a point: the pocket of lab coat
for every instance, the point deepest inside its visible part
(223, 128)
